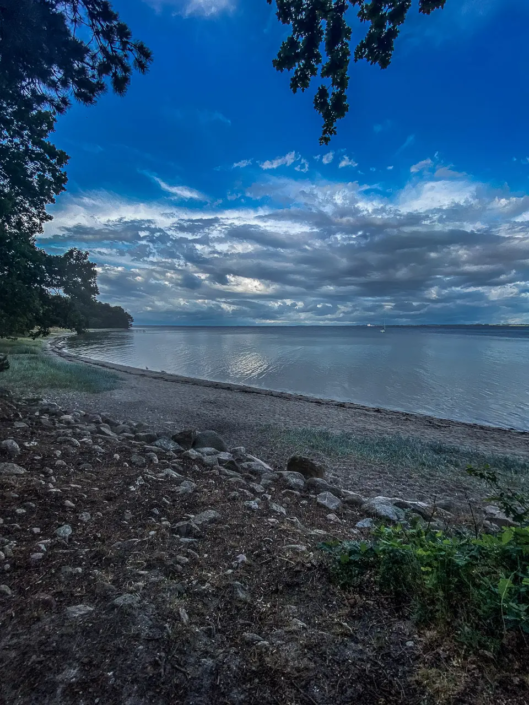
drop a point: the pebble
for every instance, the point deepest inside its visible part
(63, 532)
(252, 504)
(85, 516)
(78, 611)
(6, 590)
(10, 447)
(68, 504)
(11, 469)
(36, 557)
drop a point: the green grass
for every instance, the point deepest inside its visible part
(399, 452)
(32, 369)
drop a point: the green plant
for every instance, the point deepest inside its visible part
(514, 504)
(478, 587)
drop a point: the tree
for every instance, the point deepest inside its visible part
(51, 51)
(314, 22)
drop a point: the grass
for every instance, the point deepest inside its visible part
(32, 369)
(400, 452)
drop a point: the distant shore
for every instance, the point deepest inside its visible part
(271, 423)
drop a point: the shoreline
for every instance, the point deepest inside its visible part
(55, 346)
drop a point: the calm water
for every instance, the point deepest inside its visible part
(468, 374)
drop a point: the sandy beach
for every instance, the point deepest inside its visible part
(258, 420)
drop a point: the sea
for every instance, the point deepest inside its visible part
(477, 374)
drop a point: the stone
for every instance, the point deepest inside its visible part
(10, 447)
(318, 484)
(138, 460)
(305, 466)
(49, 407)
(251, 638)
(167, 444)
(365, 524)
(277, 508)
(382, 508)
(106, 430)
(63, 532)
(126, 601)
(185, 438)
(186, 487)
(67, 419)
(329, 501)
(187, 529)
(20, 424)
(353, 499)
(252, 504)
(240, 593)
(61, 464)
(146, 437)
(209, 439)
(121, 429)
(256, 467)
(6, 590)
(11, 469)
(496, 516)
(36, 557)
(152, 458)
(192, 455)
(94, 418)
(78, 611)
(85, 516)
(209, 516)
(68, 504)
(207, 452)
(292, 480)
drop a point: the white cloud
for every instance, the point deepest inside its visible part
(407, 143)
(382, 126)
(421, 166)
(347, 161)
(327, 158)
(303, 166)
(201, 8)
(389, 168)
(206, 116)
(242, 164)
(287, 160)
(181, 192)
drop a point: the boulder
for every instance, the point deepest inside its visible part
(185, 438)
(167, 444)
(318, 484)
(209, 439)
(382, 508)
(329, 501)
(306, 466)
(11, 469)
(496, 516)
(353, 499)
(10, 447)
(292, 480)
(147, 437)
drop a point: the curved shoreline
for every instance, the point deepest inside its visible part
(56, 347)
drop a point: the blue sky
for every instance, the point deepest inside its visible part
(204, 196)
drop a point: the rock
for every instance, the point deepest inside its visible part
(146, 437)
(36, 557)
(256, 467)
(10, 447)
(78, 611)
(67, 419)
(207, 452)
(192, 455)
(167, 444)
(6, 590)
(138, 460)
(292, 480)
(496, 516)
(318, 484)
(106, 431)
(187, 529)
(63, 532)
(209, 516)
(226, 460)
(152, 457)
(93, 418)
(209, 439)
(240, 593)
(252, 504)
(306, 466)
(365, 524)
(85, 516)
(20, 424)
(49, 407)
(126, 601)
(185, 438)
(329, 501)
(382, 508)
(68, 504)
(86, 467)
(4, 362)
(277, 508)
(186, 487)
(123, 429)
(210, 461)
(69, 441)
(251, 638)
(352, 498)
(11, 469)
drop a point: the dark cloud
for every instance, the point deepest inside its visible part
(439, 251)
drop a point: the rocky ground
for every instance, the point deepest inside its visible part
(147, 566)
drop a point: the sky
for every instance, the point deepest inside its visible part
(204, 196)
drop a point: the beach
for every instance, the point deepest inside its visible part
(269, 424)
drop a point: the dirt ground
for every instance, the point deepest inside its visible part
(110, 595)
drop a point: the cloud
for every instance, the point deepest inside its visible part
(206, 116)
(445, 172)
(201, 8)
(382, 126)
(320, 252)
(327, 158)
(421, 166)
(242, 164)
(347, 161)
(407, 143)
(180, 192)
(287, 160)
(303, 166)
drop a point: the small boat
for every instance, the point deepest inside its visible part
(383, 330)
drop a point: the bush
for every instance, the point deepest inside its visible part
(478, 587)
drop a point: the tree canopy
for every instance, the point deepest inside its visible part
(51, 51)
(324, 22)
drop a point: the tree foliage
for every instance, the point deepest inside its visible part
(51, 51)
(321, 37)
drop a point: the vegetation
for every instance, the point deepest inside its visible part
(476, 586)
(52, 50)
(402, 452)
(317, 22)
(33, 370)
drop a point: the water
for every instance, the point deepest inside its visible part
(467, 374)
